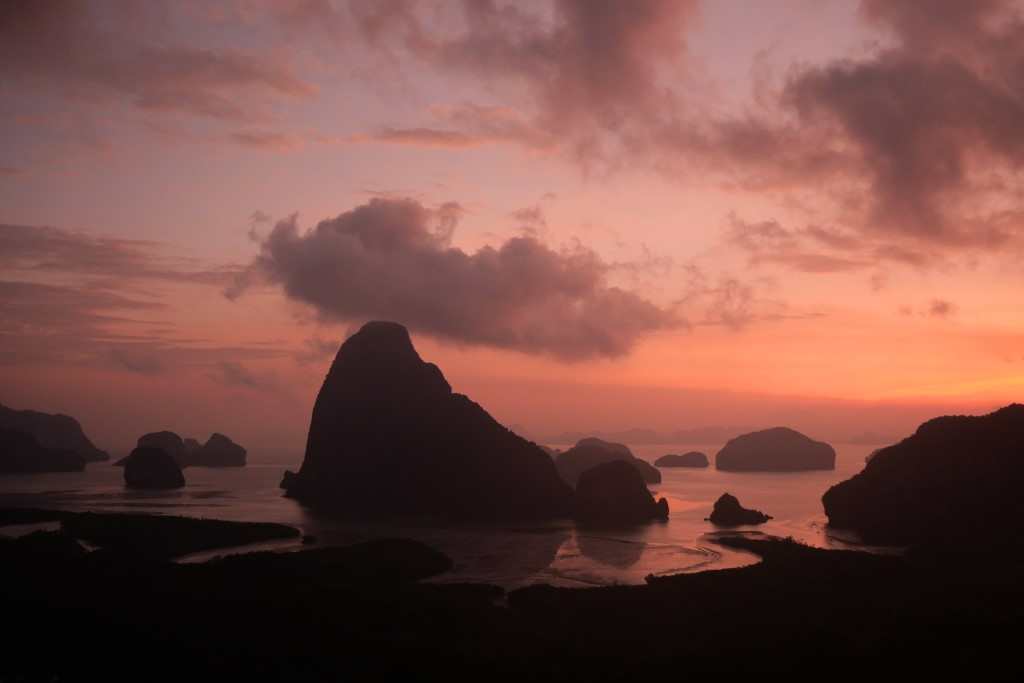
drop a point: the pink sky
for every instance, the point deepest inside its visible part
(592, 216)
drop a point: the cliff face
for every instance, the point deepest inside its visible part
(389, 437)
(955, 479)
(775, 450)
(60, 432)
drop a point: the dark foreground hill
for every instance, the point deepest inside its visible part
(389, 437)
(956, 480)
(360, 611)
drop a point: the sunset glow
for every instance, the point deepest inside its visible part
(593, 216)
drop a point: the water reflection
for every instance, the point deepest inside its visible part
(615, 552)
(554, 553)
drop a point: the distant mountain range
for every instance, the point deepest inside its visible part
(714, 434)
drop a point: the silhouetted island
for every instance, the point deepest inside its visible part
(218, 451)
(956, 481)
(729, 512)
(152, 468)
(385, 418)
(20, 453)
(59, 432)
(779, 449)
(690, 459)
(590, 452)
(614, 493)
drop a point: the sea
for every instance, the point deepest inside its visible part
(511, 556)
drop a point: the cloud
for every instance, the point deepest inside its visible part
(392, 259)
(235, 374)
(932, 124)
(274, 141)
(729, 301)
(914, 147)
(768, 242)
(940, 308)
(53, 251)
(424, 137)
(578, 69)
(70, 298)
(316, 349)
(125, 50)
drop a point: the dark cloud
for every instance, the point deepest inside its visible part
(392, 259)
(584, 69)
(125, 50)
(914, 149)
(932, 123)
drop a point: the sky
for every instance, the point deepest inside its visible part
(593, 216)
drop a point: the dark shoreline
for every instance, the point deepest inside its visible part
(334, 612)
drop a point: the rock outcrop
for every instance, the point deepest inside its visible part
(690, 459)
(152, 468)
(614, 493)
(218, 451)
(729, 512)
(956, 481)
(21, 453)
(59, 432)
(388, 437)
(775, 450)
(590, 452)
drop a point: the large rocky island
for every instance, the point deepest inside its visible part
(57, 432)
(149, 467)
(957, 481)
(389, 437)
(779, 449)
(590, 452)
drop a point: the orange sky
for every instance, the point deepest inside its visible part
(653, 214)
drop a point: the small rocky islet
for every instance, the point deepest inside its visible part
(728, 512)
(688, 459)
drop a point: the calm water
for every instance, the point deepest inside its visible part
(510, 556)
